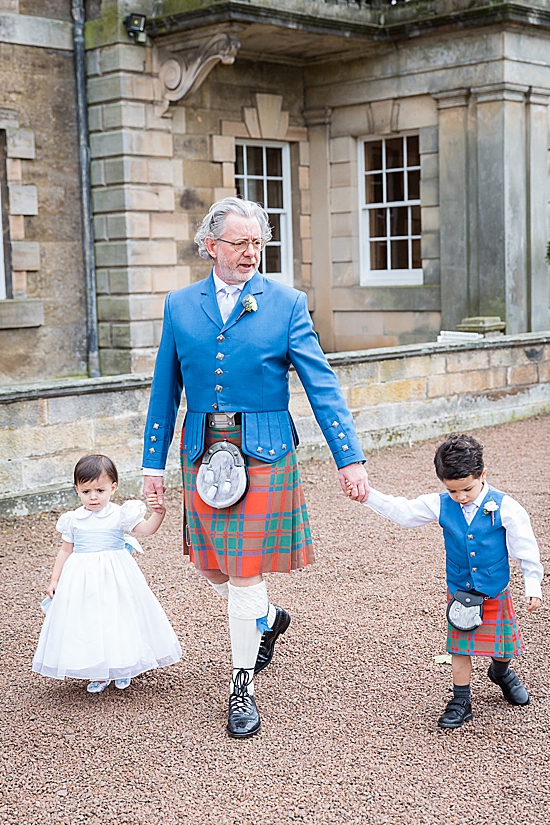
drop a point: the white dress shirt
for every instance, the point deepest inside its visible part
(520, 539)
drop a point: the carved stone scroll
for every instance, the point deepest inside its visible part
(182, 74)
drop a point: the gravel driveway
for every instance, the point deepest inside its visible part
(349, 705)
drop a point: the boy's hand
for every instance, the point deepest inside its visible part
(52, 587)
(153, 502)
(533, 603)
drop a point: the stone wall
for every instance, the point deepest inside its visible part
(397, 395)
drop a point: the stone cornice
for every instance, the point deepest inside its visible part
(28, 30)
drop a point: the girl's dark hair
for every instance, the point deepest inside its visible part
(91, 467)
(459, 456)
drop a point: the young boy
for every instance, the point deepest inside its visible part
(482, 527)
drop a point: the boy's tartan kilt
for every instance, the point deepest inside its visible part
(498, 636)
(267, 531)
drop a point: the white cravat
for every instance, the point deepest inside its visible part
(227, 298)
(469, 511)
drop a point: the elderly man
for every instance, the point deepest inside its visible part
(229, 341)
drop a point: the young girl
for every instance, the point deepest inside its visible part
(103, 622)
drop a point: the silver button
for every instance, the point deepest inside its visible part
(468, 584)
(218, 388)
(220, 337)
(283, 446)
(335, 423)
(153, 438)
(151, 449)
(474, 569)
(259, 450)
(345, 447)
(341, 435)
(214, 406)
(219, 371)
(472, 554)
(272, 452)
(470, 537)
(156, 426)
(220, 356)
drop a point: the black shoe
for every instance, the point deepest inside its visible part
(511, 687)
(244, 719)
(455, 714)
(267, 645)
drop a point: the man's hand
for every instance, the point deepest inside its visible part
(354, 482)
(154, 485)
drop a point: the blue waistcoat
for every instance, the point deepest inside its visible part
(243, 365)
(476, 553)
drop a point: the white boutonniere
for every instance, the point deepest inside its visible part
(249, 303)
(489, 509)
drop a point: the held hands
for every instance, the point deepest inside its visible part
(154, 485)
(153, 502)
(354, 482)
(533, 603)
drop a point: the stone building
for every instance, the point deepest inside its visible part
(400, 147)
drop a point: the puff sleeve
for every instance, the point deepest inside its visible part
(131, 513)
(65, 526)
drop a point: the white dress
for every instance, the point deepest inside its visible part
(103, 622)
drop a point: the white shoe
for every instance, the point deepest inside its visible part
(122, 683)
(98, 687)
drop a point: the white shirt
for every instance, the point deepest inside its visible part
(110, 517)
(221, 291)
(520, 539)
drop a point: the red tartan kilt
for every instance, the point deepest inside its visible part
(268, 531)
(498, 636)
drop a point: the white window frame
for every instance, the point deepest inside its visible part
(286, 276)
(382, 277)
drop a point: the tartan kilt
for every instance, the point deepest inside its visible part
(266, 532)
(499, 635)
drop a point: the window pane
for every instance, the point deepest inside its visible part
(413, 155)
(416, 259)
(399, 221)
(415, 220)
(377, 223)
(239, 166)
(399, 254)
(274, 161)
(394, 153)
(240, 188)
(275, 194)
(275, 222)
(272, 259)
(378, 255)
(256, 191)
(373, 156)
(396, 188)
(374, 190)
(414, 185)
(255, 160)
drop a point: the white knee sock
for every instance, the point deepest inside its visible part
(221, 589)
(245, 605)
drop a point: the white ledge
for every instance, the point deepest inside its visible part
(27, 30)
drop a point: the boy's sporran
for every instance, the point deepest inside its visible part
(465, 611)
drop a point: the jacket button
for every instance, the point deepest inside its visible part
(335, 424)
(472, 553)
(259, 450)
(156, 426)
(153, 438)
(345, 447)
(219, 372)
(218, 388)
(214, 406)
(220, 337)
(341, 435)
(283, 446)
(220, 356)
(474, 569)
(272, 452)
(151, 449)
(468, 584)
(470, 537)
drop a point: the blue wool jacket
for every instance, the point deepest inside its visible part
(476, 553)
(242, 365)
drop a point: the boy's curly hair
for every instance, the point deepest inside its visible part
(459, 456)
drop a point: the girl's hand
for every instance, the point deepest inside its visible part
(52, 587)
(533, 603)
(153, 502)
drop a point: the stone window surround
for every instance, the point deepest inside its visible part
(17, 310)
(371, 277)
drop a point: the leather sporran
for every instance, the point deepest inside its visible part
(465, 611)
(222, 479)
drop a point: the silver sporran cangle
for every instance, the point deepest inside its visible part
(222, 479)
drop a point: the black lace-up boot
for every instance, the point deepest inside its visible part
(244, 719)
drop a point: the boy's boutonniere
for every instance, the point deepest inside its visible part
(249, 303)
(490, 507)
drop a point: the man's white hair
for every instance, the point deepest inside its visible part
(213, 225)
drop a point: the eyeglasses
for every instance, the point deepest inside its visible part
(242, 246)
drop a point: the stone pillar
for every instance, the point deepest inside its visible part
(318, 122)
(537, 238)
(453, 206)
(502, 203)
